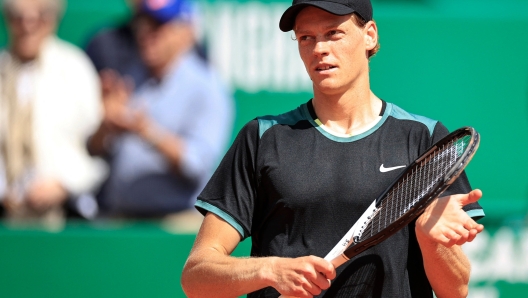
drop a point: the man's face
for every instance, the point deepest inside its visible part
(158, 43)
(29, 24)
(333, 49)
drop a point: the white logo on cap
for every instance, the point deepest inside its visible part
(157, 4)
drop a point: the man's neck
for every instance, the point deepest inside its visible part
(22, 59)
(352, 112)
(160, 71)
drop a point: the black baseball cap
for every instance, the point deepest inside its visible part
(338, 7)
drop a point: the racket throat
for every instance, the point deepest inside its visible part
(353, 235)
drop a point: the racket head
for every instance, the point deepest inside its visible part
(416, 187)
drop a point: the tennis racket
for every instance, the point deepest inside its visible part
(416, 188)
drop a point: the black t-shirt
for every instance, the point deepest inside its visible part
(296, 188)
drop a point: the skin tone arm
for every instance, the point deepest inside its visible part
(211, 269)
(440, 231)
(119, 117)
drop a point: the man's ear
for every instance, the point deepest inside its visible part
(371, 35)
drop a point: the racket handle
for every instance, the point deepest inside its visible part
(337, 261)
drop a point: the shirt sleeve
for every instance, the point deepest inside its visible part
(461, 185)
(231, 191)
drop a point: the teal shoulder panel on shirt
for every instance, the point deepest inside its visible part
(223, 215)
(401, 114)
(288, 118)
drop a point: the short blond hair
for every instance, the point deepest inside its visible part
(361, 23)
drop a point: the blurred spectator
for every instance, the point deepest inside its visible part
(116, 48)
(163, 140)
(49, 105)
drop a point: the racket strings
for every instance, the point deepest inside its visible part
(414, 186)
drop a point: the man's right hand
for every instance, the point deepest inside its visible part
(116, 93)
(210, 267)
(301, 277)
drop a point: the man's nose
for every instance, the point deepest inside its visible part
(29, 23)
(321, 48)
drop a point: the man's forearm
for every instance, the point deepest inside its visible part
(209, 273)
(97, 143)
(165, 142)
(447, 268)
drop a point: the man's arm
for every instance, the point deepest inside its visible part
(211, 271)
(119, 118)
(440, 232)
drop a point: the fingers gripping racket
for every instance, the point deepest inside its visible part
(416, 188)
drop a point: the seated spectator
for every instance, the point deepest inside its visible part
(49, 105)
(163, 140)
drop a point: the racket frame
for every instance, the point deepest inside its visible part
(348, 247)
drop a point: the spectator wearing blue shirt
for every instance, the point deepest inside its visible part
(163, 140)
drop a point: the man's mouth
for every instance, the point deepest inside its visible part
(324, 67)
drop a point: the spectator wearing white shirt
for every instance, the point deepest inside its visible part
(49, 105)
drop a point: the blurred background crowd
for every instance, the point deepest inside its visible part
(114, 113)
(131, 126)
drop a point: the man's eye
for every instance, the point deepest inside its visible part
(305, 37)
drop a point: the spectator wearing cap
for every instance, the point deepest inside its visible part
(49, 105)
(163, 140)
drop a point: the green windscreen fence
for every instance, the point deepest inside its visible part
(463, 62)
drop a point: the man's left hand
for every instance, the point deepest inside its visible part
(445, 222)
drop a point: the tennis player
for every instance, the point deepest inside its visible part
(295, 183)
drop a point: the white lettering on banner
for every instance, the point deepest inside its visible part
(247, 47)
(501, 257)
(484, 292)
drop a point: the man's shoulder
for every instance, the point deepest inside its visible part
(58, 52)
(194, 73)
(398, 113)
(57, 45)
(289, 118)
(191, 65)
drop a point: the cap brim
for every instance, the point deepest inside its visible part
(287, 21)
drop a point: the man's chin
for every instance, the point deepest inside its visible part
(25, 56)
(327, 87)
(150, 62)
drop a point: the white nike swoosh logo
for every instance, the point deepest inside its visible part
(384, 169)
